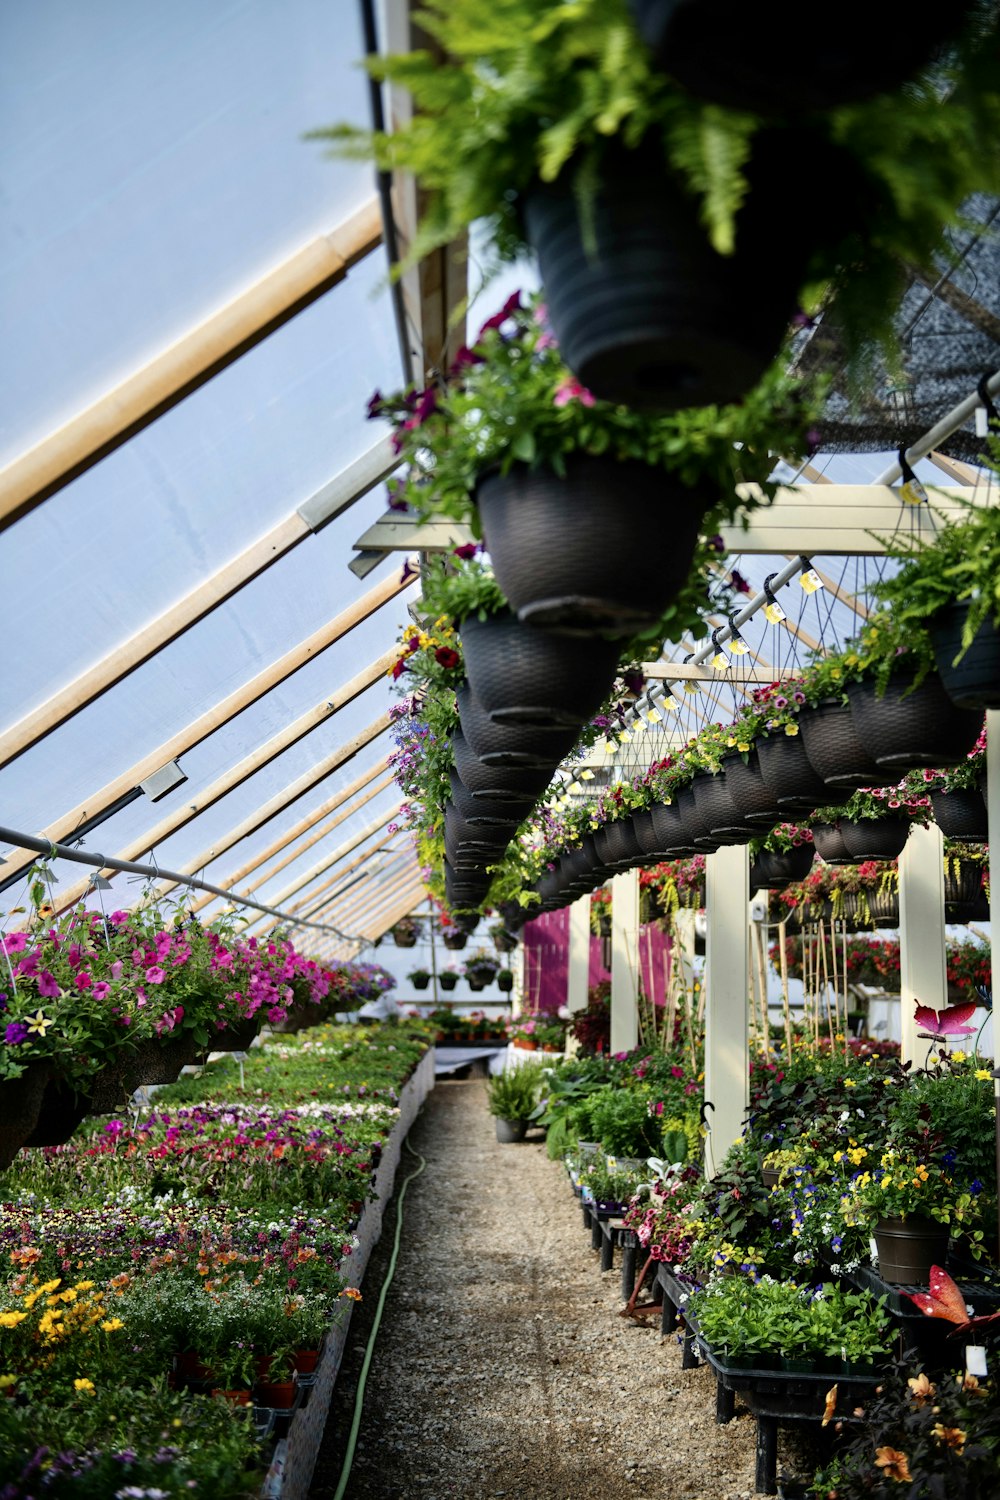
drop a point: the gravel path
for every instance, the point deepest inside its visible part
(502, 1367)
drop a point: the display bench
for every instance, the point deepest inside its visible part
(291, 1471)
(772, 1396)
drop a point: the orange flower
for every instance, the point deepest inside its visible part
(353, 1293)
(921, 1389)
(951, 1437)
(894, 1465)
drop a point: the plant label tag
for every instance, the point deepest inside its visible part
(913, 493)
(811, 581)
(975, 1359)
(982, 422)
(873, 1248)
(774, 614)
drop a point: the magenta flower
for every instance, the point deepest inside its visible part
(101, 990)
(13, 942)
(466, 551)
(48, 987)
(511, 306)
(84, 980)
(155, 975)
(569, 390)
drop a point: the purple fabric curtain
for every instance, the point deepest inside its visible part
(545, 941)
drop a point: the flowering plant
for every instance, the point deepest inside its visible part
(877, 802)
(780, 839)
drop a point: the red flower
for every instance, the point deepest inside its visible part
(447, 657)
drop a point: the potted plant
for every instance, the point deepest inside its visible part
(558, 484)
(405, 932)
(511, 1098)
(523, 1034)
(956, 795)
(945, 592)
(782, 856)
(603, 164)
(874, 823)
(505, 980)
(448, 978)
(419, 978)
(503, 940)
(480, 969)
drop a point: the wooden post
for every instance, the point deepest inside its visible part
(922, 961)
(726, 1038)
(624, 961)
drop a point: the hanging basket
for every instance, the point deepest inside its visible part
(718, 810)
(833, 748)
(512, 746)
(974, 680)
(505, 983)
(875, 838)
(564, 546)
(875, 906)
(496, 783)
(522, 674)
(787, 772)
(646, 312)
(671, 830)
(236, 1038)
(752, 797)
(618, 846)
(404, 938)
(963, 882)
(454, 941)
(907, 1248)
(830, 846)
(420, 981)
(20, 1103)
(483, 810)
(60, 1114)
(961, 815)
(774, 870)
(909, 728)
(698, 831)
(729, 54)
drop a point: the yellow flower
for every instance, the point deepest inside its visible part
(84, 1386)
(353, 1293)
(39, 1023)
(111, 1325)
(849, 1083)
(958, 1055)
(921, 1389)
(791, 729)
(85, 1286)
(6, 1381)
(11, 1319)
(983, 1073)
(742, 747)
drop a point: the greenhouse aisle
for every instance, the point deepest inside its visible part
(502, 1367)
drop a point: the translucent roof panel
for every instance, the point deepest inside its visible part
(140, 529)
(152, 166)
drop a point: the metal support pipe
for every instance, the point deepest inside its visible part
(154, 872)
(943, 429)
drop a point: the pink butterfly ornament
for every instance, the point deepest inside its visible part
(944, 1023)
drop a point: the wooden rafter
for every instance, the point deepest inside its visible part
(187, 364)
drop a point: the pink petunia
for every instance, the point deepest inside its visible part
(155, 975)
(569, 390)
(48, 987)
(84, 980)
(101, 990)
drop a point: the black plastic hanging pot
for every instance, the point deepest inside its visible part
(697, 827)
(496, 783)
(974, 680)
(459, 834)
(618, 846)
(961, 814)
(875, 838)
(476, 810)
(568, 550)
(671, 829)
(786, 769)
(833, 748)
(717, 808)
(963, 882)
(752, 797)
(522, 674)
(658, 836)
(737, 55)
(830, 845)
(514, 747)
(646, 312)
(908, 728)
(772, 870)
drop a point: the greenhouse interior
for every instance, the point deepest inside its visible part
(492, 1009)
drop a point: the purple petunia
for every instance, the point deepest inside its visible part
(15, 1033)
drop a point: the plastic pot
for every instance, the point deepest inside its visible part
(911, 727)
(833, 748)
(974, 680)
(522, 674)
(751, 794)
(512, 746)
(961, 815)
(830, 845)
(509, 1132)
(496, 783)
(564, 546)
(875, 838)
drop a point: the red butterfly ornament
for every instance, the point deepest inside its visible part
(943, 1023)
(944, 1300)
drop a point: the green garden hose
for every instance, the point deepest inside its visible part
(359, 1398)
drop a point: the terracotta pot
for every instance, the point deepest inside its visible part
(235, 1398)
(279, 1395)
(525, 1046)
(306, 1361)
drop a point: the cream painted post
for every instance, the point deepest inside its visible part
(578, 967)
(922, 962)
(993, 828)
(624, 961)
(727, 1057)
